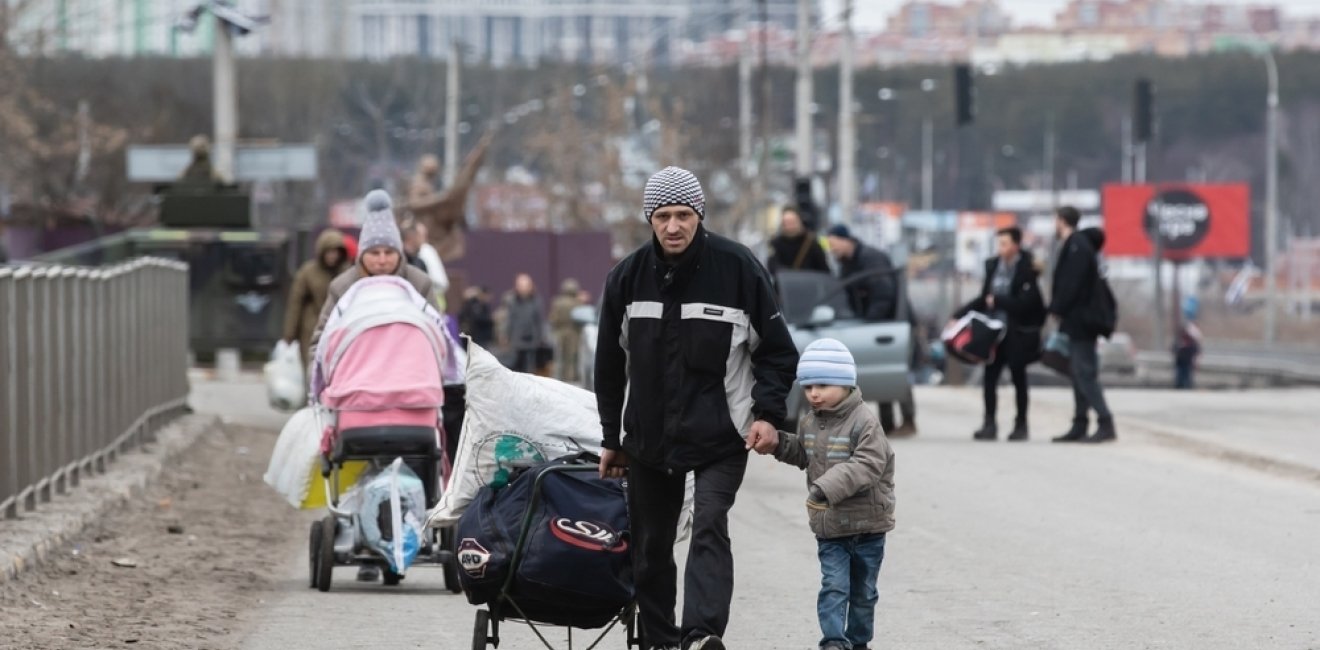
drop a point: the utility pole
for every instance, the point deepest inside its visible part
(225, 100)
(1271, 197)
(805, 165)
(763, 114)
(927, 164)
(847, 126)
(84, 145)
(1049, 162)
(745, 117)
(453, 69)
(1127, 150)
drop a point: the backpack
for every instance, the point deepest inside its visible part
(1102, 313)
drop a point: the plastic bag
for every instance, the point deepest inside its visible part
(1056, 355)
(295, 464)
(285, 387)
(514, 421)
(390, 509)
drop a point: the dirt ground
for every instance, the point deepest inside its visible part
(206, 539)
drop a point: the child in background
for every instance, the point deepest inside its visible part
(850, 483)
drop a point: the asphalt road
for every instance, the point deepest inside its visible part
(1134, 545)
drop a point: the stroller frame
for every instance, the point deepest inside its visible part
(331, 542)
(486, 632)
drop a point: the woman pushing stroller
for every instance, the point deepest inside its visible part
(380, 253)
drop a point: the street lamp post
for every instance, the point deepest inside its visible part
(1271, 194)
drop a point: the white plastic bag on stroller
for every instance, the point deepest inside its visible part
(285, 387)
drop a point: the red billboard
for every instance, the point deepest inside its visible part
(1195, 220)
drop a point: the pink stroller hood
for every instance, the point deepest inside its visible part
(385, 367)
(382, 349)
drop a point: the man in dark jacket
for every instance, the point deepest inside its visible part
(525, 328)
(876, 297)
(475, 317)
(694, 361)
(1011, 293)
(1076, 276)
(795, 248)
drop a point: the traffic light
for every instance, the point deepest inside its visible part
(805, 204)
(1143, 110)
(964, 93)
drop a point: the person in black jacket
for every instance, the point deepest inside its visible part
(1076, 276)
(796, 248)
(1011, 293)
(876, 297)
(694, 362)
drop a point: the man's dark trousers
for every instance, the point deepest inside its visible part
(655, 500)
(1019, 374)
(1087, 393)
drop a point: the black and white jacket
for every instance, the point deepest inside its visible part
(690, 352)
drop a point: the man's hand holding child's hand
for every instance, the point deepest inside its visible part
(762, 437)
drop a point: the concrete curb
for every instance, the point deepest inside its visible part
(29, 541)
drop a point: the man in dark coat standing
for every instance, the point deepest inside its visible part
(1011, 293)
(1072, 304)
(796, 248)
(874, 298)
(693, 367)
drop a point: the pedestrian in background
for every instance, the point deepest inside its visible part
(1010, 293)
(311, 289)
(475, 317)
(565, 330)
(1187, 345)
(694, 358)
(525, 326)
(850, 492)
(872, 286)
(1076, 304)
(796, 248)
(423, 255)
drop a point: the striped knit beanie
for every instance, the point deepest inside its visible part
(673, 186)
(379, 227)
(826, 362)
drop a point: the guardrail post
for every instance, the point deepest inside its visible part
(60, 389)
(101, 376)
(9, 485)
(43, 429)
(25, 381)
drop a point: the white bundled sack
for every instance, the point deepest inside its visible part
(285, 388)
(517, 420)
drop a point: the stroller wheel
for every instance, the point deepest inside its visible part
(451, 564)
(479, 633)
(390, 578)
(325, 557)
(313, 551)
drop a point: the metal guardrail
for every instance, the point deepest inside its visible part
(1278, 370)
(94, 360)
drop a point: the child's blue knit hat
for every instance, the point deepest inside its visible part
(827, 362)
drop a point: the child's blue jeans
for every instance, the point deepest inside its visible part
(849, 568)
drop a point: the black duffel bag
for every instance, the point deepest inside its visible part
(575, 568)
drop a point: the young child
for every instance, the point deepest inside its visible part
(850, 480)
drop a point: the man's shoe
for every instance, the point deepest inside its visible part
(988, 431)
(1104, 433)
(1019, 432)
(906, 430)
(711, 642)
(1076, 434)
(368, 574)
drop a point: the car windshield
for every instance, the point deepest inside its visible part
(801, 291)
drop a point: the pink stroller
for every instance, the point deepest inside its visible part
(379, 372)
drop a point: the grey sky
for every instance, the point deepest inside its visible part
(870, 15)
